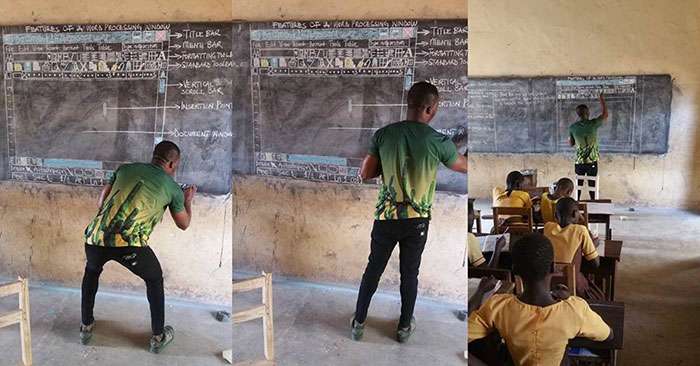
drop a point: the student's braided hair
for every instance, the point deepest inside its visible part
(514, 181)
(533, 256)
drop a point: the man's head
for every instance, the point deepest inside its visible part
(167, 155)
(514, 180)
(422, 99)
(582, 111)
(564, 187)
(533, 257)
(567, 211)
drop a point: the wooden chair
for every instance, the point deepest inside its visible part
(474, 217)
(583, 208)
(536, 192)
(21, 316)
(563, 273)
(263, 311)
(519, 220)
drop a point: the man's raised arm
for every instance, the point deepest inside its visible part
(182, 219)
(604, 107)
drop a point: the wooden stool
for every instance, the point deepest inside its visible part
(21, 316)
(263, 311)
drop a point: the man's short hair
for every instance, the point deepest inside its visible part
(532, 257)
(580, 108)
(166, 151)
(566, 206)
(422, 94)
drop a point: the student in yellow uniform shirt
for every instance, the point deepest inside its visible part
(563, 188)
(567, 238)
(512, 196)
(536, 325)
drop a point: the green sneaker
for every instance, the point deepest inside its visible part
(159, 342)
(86, 333)
(358, 329)
(403, 334)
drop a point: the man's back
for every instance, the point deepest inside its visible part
(585, 134)
(410, 154)
(138, 198)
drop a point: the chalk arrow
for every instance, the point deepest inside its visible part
(423, 32)
(175, 65)
(422, 43)
(105, 108)
(421, 62)
(176, 46)
(422, 53)
(179, 85)
(176, 35)
(175, 56)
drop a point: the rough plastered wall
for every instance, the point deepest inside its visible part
(320, 232)
(546, 37)
(42, 224)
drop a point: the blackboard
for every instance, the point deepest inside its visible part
(80, 100)
(532, 115)
(308, 95)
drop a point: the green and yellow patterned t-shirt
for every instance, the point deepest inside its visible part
(139, 196)
(585, 134)
(410, 153)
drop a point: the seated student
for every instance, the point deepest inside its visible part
(563, 188)
(536, 325)
(572, 241)
(512, 196)
(474, 254)
(476, 259)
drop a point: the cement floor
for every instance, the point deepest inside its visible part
(659, 282)
(312, 327)
(121, 335)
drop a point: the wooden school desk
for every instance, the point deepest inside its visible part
(610, 252)
(614, 315)
(599, 212)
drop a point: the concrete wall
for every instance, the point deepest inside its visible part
(42, 225)
(321, 231)
(545, 37)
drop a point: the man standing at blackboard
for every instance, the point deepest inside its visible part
(130, 206)
(407, 155)
(584, 135)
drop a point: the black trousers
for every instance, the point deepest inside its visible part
(590, 169)
(411, 234)
(142, 262)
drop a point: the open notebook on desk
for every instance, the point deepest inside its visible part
(488, 242)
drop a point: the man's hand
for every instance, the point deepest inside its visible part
(104, 194)
(460, 165)
(604, 107)
(182, 219)
(371, 167)
(189, 193)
